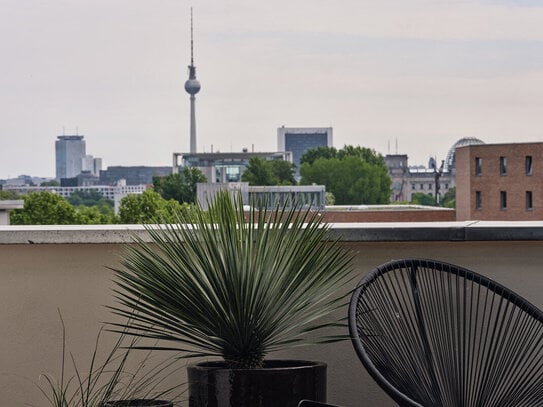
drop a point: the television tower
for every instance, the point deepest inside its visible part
(192, 86)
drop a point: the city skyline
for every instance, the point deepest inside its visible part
(418, 75)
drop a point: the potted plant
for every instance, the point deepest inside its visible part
(236, 286)
(108, 381)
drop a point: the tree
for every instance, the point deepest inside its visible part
(354, 175)
(420, 198)
(8, 195)
(269, 172)
(95, 215)
(88, 198)
(258, 172)
(181, 186)
(311, 155)
(149, 207)
(44, 208)
(449, 198)
(283, 171)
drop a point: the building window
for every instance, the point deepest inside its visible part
(446, 186)
(478, 165)
(430, 187)
(421, 186)
(528, 165)
(413, 187)
(503, 200)
(478, 200)
(503, 165)
(529, 203)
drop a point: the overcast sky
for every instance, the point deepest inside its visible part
(419, 74)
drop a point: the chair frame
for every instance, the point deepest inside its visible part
(413, 264)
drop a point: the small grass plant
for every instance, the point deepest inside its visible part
(109, 378)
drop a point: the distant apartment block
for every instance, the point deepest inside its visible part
(112, 192)
(69, 156)
(107, 191)
(300, 139)
(82, 180)
(136, 175)
(499, 182)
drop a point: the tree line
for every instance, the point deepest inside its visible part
(175, 192)
(351, 175)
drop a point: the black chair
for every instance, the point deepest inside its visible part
(435, 334)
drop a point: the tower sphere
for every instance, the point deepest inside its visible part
(192, 86)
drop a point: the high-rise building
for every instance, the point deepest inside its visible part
(300, 139)
(92, 164)
(69, 156)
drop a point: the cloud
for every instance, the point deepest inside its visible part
(416, 19)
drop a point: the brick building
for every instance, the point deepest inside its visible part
(499, 182)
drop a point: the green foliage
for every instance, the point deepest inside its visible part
(283, 171)
(269, 172)
(420, 198)
(367, 154)
(258, 172)
(108, 379)
(354, 175)
(181, 186)
(311, 155)
(44, 208)
(95, 215)
(8, 195)
(89, 198)
(92, 208)
(329, 198)
(47, 208)
(149, 207)
(449, 198)
(220, 283)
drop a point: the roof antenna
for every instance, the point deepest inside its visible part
(191, 41)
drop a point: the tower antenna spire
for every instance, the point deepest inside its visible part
(191, 41)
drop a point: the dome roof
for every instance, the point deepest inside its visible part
(192, 86)
(450, 161)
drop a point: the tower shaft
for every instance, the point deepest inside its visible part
(192, 124)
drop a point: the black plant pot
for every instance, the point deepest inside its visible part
(280, 383)
(138, 403)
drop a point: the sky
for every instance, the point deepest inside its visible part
(408, 77)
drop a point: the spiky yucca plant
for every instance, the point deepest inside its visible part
(237, 285)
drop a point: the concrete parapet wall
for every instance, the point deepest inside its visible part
(66, 270)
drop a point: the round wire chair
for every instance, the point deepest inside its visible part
(435, 334)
